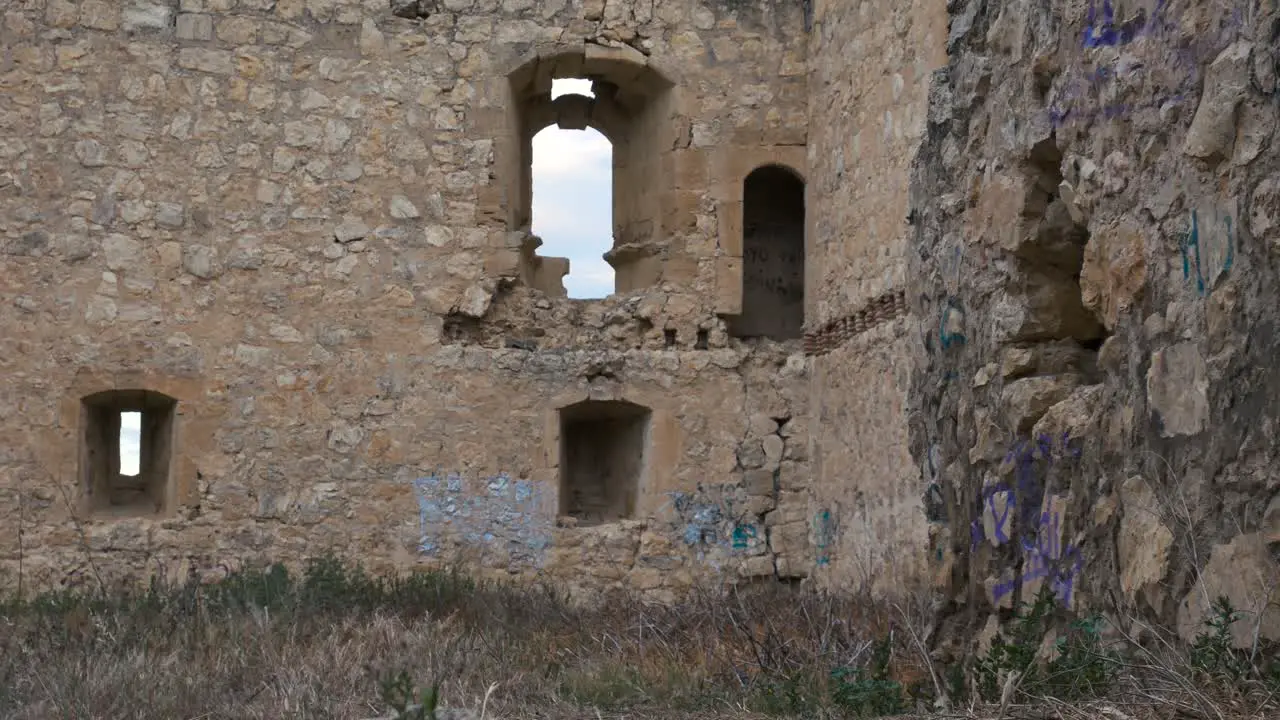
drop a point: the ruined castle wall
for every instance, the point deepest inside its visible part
(294, 219)
(870, 67)
(1095, 263)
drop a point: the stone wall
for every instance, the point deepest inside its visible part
(1094, 266)
(304, 222)
(870, 67)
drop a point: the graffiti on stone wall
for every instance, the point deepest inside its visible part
(498, 514)
(935, 506)
(824, 536)
(1045, 558)
(716, 522)
(1026, 516)
(951, 324)
(1095, 88)
(1208, 249)
(1102, 30)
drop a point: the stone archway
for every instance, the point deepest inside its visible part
(633, 107)
(773, 250)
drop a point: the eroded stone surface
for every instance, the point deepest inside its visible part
(1080, 194)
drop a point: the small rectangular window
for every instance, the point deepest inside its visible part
(126, 450)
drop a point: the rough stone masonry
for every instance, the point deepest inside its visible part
(294, 236)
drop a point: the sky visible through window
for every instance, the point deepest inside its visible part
(130, 442)
(573, 200)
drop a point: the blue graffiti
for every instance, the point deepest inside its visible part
(1030, 459)
(502, 514)
(1107, 34)
(706, 522)
(951, 324)
(824, 536)
(1040, 546)
(1193, 261)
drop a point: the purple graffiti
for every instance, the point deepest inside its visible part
(1072, 102)
(1030, 459)
(1046, 558)
(1108, 34)
(1043, 555)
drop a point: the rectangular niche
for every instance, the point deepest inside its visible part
(135, 482)
(602, 459)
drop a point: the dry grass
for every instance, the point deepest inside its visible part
(325, 645)
(264, 646)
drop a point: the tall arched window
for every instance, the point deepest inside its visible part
(573, 199)
(772, 255)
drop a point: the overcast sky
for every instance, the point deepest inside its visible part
(573, 200)
(130, 442)
(572, 213)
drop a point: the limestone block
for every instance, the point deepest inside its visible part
(758, 482)
(1143, 543)
(728, 285)
(207, 60)
(140, 16)
(1114, 271)
(1177, 389)
(1213, 129)
(1244, 571)
(1271, 522)
(1026, 400)
(194, 26)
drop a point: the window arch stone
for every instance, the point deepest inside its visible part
(635, 109)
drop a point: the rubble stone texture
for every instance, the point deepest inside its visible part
(973, 297)
(295, 236)
(1093, 271)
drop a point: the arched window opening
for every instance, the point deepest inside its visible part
(772, 255)
(618, 109)
(126, 450)
(573, 198)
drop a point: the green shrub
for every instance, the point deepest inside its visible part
(868, 691)
(1083, 669)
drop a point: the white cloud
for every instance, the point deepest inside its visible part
(573, 205)
(571, 86)
(130, 442)
(570, 154)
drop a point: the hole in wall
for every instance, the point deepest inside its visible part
(130, 443)
(573, 198)
(603, 449)
(126, 450)
(1062, 333)
(701, 342)
(772, 255)
(669, 336)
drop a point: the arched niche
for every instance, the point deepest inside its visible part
(604, 452)
(773, 250)
(632, 107)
